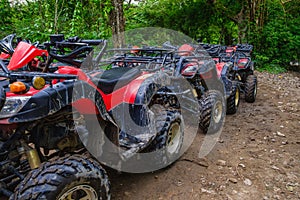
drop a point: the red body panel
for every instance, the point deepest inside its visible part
(23, 54)
(4, 56)
(72, 71)
(85, 106)
(216, 60)
(219, 67)
(125, 94)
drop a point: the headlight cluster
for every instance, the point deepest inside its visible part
(12, 106)
(190, 70)
(242, 63)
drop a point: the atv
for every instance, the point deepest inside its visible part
(59, 123)
(196, 69)
(217, 78)
(241, 67)
(220, 81)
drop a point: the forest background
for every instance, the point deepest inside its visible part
(271, 26)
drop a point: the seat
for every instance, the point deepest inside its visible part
(115, 78)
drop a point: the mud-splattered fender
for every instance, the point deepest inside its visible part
(150, 86)
(52, 99)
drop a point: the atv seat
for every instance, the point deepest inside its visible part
(115, 78)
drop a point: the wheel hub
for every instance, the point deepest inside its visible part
(80, 192)
(173, 139)
(217, 115)
(237, 97)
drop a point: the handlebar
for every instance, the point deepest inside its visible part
(92, 42)
(214, 50)
(72, 50)
(31, 75)
(59, 41)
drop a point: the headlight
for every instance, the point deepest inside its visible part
(242, 63)
(190, 70)
(12, 106)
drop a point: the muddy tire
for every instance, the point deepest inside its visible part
(233, 101)
(69, 177)
(212, 111)
(169, 139)
(250, 88)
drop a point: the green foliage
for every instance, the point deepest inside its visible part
(279, 41)
(274, 31)
(5, 18)
(36, 20)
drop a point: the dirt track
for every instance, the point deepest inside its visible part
(257, 156)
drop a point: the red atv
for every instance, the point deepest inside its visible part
(58, 122)
(239, 65)
(241, 69)
(185, 63)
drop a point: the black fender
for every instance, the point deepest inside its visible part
(229, 85)
(137, 112)
(150, 87)
(52, 99)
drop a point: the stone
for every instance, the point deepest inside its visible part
(233, 180)
(247, 182)
(280, 134)
(221, 162)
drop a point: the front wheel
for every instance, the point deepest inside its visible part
(69, 177)
(250, 88)
(169, 140)
(233, 100)
(212, 111)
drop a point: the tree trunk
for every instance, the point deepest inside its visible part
(117, 23)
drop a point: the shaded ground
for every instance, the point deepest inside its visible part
(257, 156)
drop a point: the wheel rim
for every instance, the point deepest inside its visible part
(173, 139)
(80, 192)
(237, 97)
(217, 115)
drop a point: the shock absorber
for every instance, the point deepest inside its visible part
(31, 155)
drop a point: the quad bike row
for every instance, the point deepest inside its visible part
(64, 113)
(237, 59)
(57, 121)
(215, 92)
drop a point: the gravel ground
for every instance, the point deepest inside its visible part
(256, 157)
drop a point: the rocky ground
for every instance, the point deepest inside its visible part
(257, 155)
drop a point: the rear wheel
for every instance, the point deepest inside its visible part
(212, 111)
(69, 177)
(233, 101)
(250, 88)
